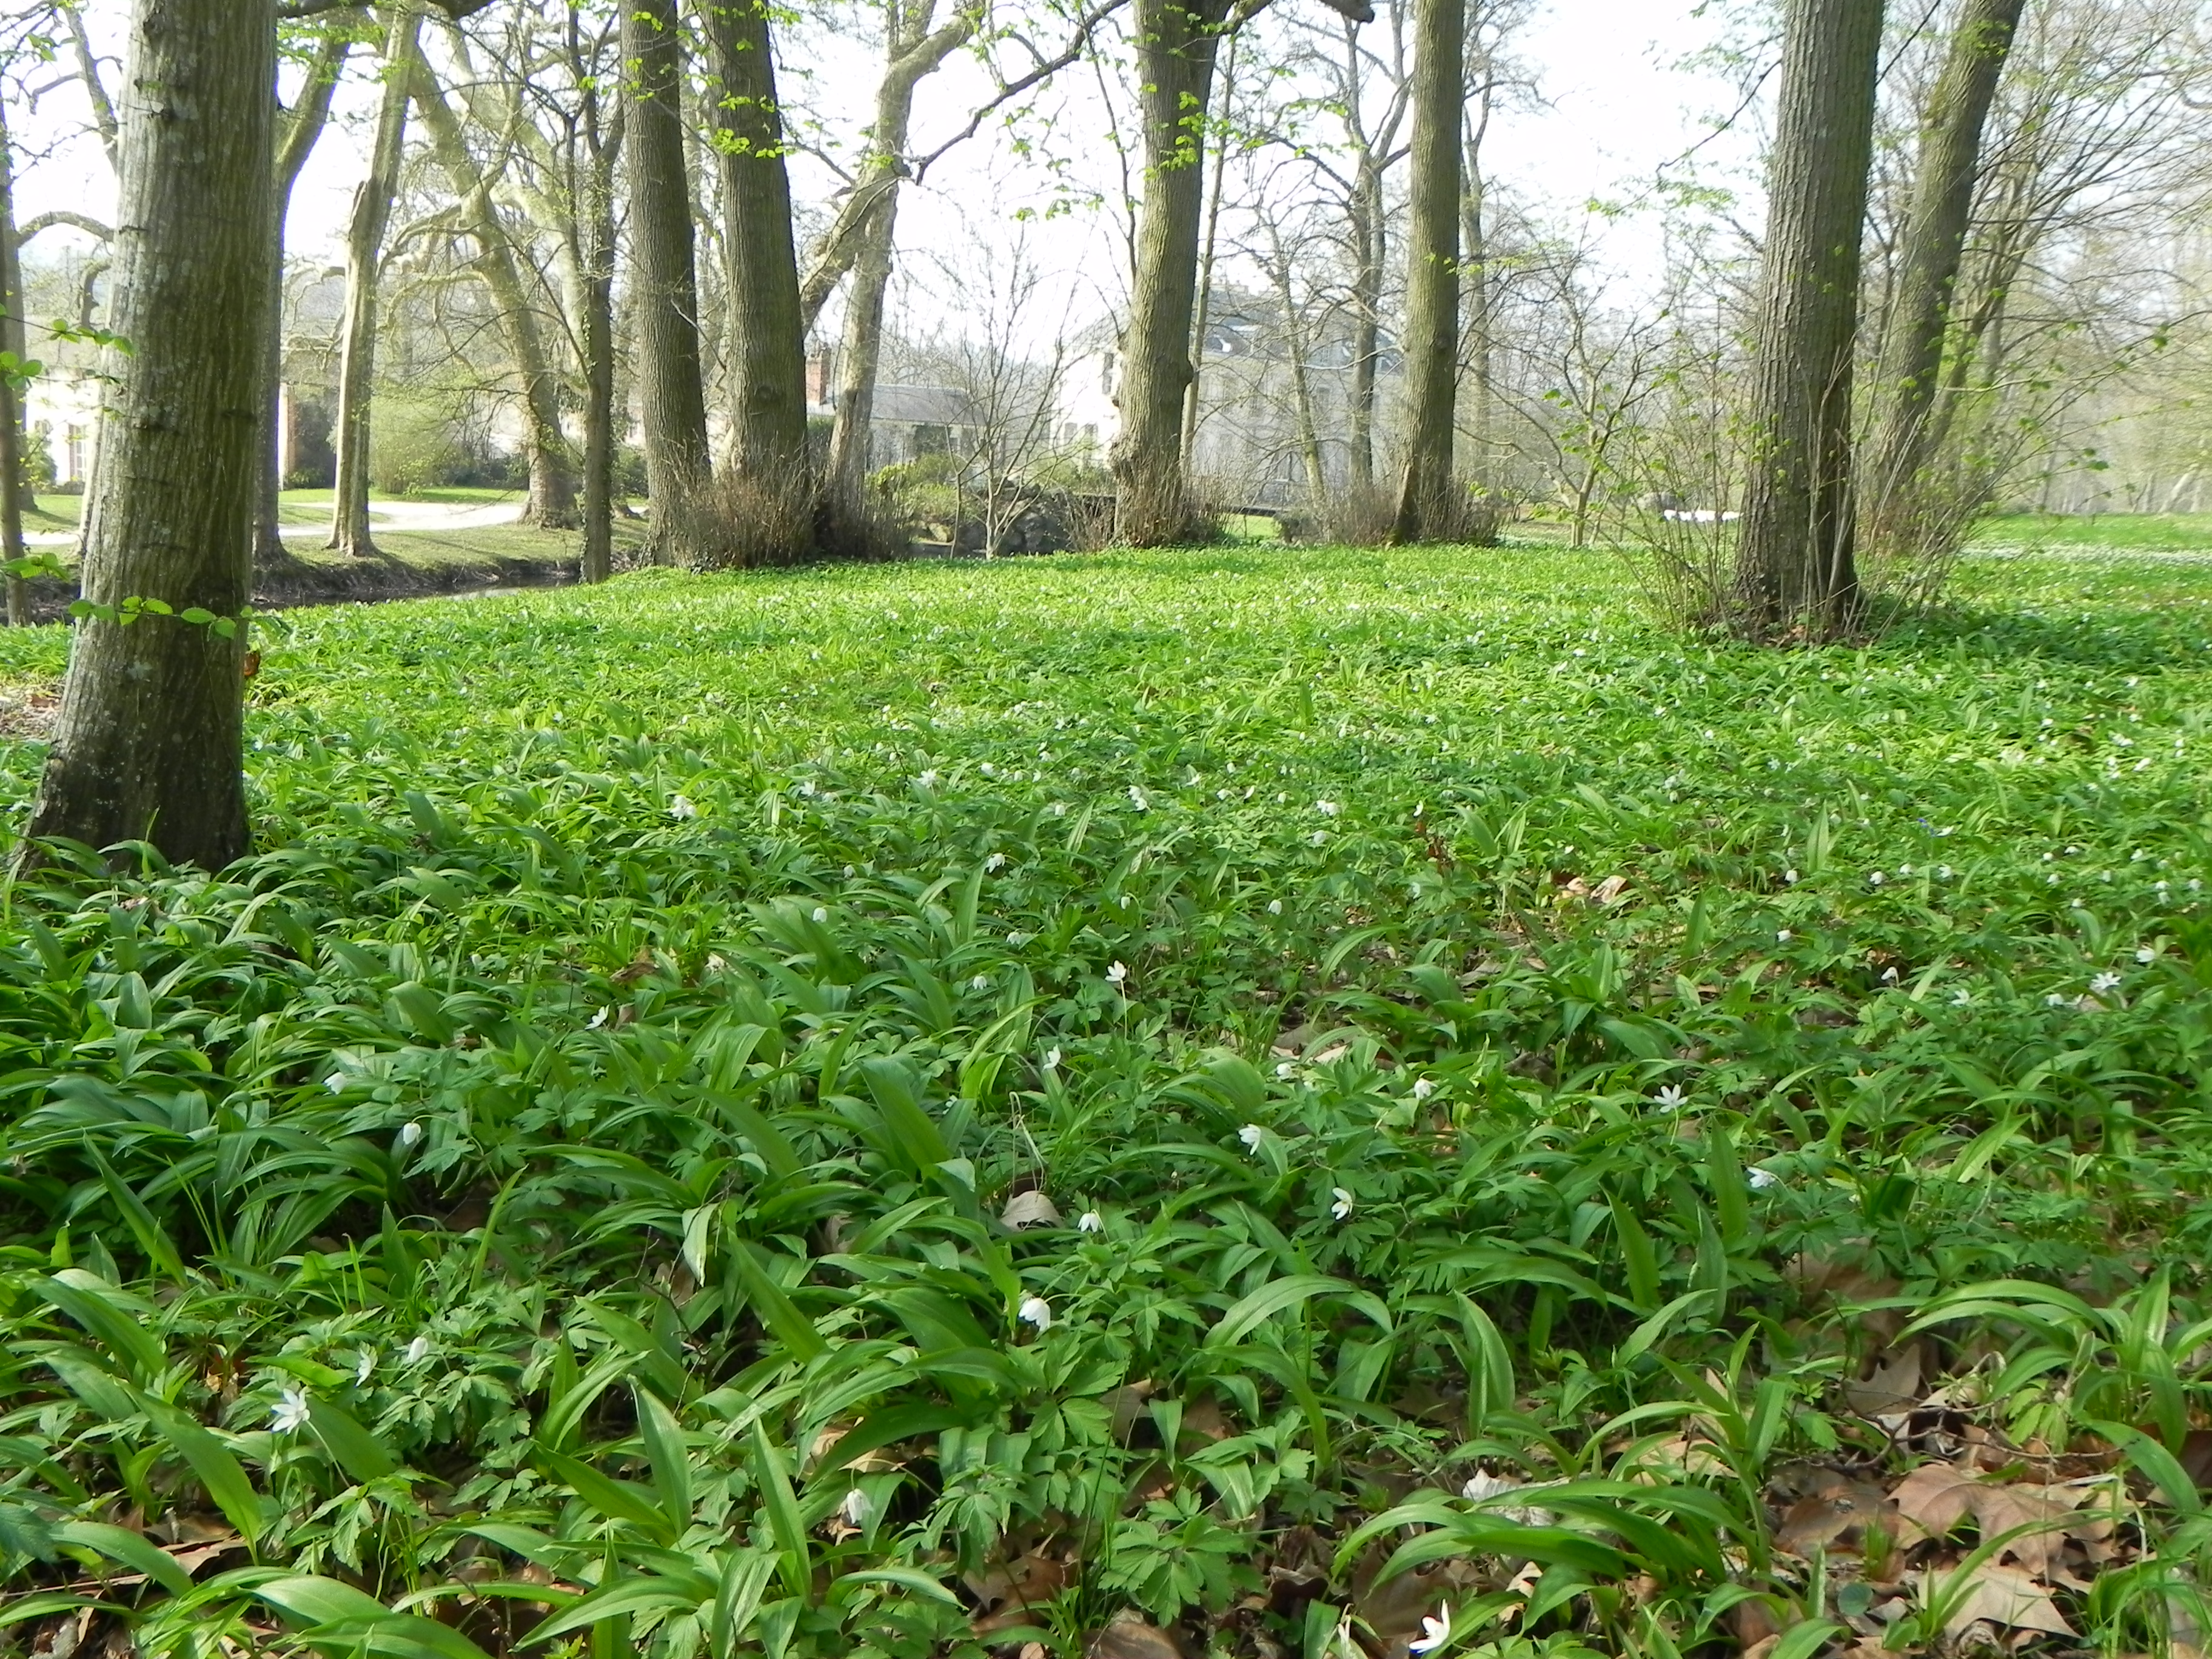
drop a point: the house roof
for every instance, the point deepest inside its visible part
(924, 405)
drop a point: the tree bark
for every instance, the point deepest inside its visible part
(1176, 45)
(148, 743)
(552, 499)
(767, 337)
(301, 131)
(372, 217)
(1795, 573)
(1912, 365)
(672, 389)
(593, 226)
(1425, 492)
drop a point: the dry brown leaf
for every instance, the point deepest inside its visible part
(1893, 1386)
(2035, 1521)
(2038, 1519)
(1610, 889)
(1934, 1497)
(1129, 1637)
(1024, 1581)
(1030, 1209)
(1996, 1594)
(1840, 1510)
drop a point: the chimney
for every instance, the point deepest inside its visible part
(817, 381)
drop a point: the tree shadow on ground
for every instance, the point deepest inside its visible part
(2138, 641)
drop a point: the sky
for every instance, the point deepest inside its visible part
(1611, 105)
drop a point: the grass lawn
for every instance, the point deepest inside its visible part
(2113, 532)
(1240, 1100)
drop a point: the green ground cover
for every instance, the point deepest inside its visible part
(1135, 1102)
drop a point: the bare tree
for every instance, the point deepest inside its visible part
(365, 238)
(1933, 249)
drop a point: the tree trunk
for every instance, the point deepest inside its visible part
(552, 499)
(14, 340)
(767, 337)
(1176, 44)
(372, 216)
(672, 392)
(1204, 297)
(299, 133)
(1928, 270)
(1426, 494)
(867, 233)
(594, 227)
(149, 744)
(1474, 281)
(1795, 570)
(1367, 234)
(913, 57)
(858, 359)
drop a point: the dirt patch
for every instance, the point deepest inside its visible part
(304, 581)
(29, 711)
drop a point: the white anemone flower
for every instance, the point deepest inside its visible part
(1435, 1633)
(2104, 982)
(336, 1082)
(411, 1135)
(362, 1365)
(2146, 954)
(1760, 1180)
(1423, 1088)
(1327, 809)
(928, 780)
(682, 807)
(854, 1510)
(1274, 906)
(1035, 1310)
(1319, 837)
(820, 913)
(600, 1018)
(1091, 1222)
(1051, 1058)
(995, 863)
(290, 1411)
(1342, 1208)
(1251, 1135)
(1118, 973)
(1781, 936)
(1671, 1099)
(419, 1351)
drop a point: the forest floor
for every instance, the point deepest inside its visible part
(1259, 1101)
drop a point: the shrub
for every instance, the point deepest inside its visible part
(1367, 515)
(414, 444)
